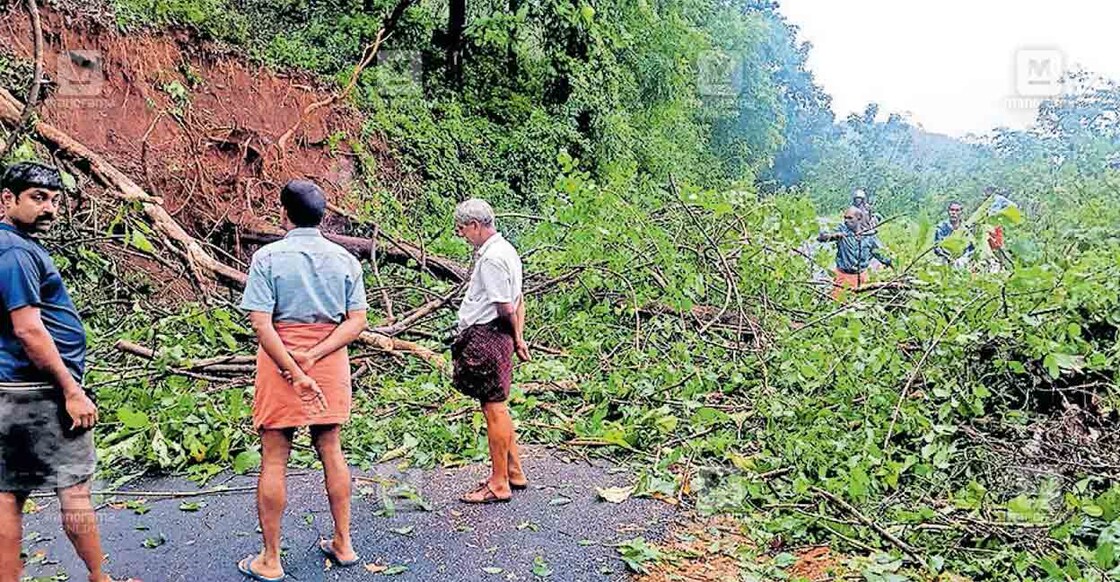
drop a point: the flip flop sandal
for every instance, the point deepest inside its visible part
(512, 485)
(328, 551)
(245, 566)
(490, 496)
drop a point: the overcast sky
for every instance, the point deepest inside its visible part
(950, 64)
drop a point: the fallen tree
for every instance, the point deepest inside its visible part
(197, 259)
(397, 252)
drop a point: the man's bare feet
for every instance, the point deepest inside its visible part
(517, 479)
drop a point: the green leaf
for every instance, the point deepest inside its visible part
(246, 461)
(588, 13)
(192, 505)
(1051, 365)
(955, 243)
(132, 419)
(141, 242)
(540, 568)
(1105, 556)
(858, 483)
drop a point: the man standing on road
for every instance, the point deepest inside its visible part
(491, 324)
(854, 251)
(307, 302)
(945, 230)
(46, 417)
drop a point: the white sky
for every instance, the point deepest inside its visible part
(950, 64)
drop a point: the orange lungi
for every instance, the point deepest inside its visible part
(276, 403)
(844, 281)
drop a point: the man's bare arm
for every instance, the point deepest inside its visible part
(27, 325)
(272, 344)
(514, 316)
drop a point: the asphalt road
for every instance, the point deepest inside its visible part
(558, 525)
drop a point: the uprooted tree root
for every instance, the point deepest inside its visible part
(198, 260)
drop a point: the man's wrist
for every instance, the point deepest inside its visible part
(71, 388)
(297, 373)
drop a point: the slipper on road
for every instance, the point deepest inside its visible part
(328, 551)
(245, 566)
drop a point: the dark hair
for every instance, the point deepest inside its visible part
(952, 202)
(304, 202)
(27, 175)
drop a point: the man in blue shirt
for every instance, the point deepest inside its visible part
(854, 250)
(946, 229)
(306, 301)
(46, 417)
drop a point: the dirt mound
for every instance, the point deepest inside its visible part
(194, 126)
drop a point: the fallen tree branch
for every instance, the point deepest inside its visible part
(35, 89)
(410, 319)
(893, 539)
(193, 253)
(439, 267)
(221, 364)
(918, 367)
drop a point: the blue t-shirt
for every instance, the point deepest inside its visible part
(854, 252)
(28, 277)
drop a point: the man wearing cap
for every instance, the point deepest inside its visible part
(870, 221)
(306, 301)
(490, 330)
(46, 416)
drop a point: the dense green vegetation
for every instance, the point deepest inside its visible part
(972, 414)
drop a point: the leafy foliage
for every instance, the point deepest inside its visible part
(972, 412)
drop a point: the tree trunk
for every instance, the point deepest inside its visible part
(512, 65)
(456, 27)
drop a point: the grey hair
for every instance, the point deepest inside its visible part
(474, 210)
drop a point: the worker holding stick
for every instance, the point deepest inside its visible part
(854, 250)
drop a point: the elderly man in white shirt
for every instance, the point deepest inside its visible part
(491, 325)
